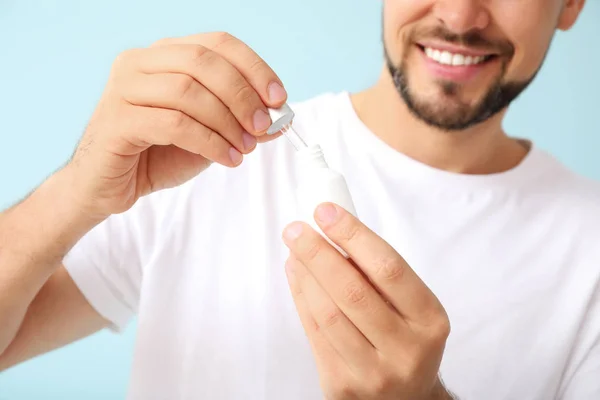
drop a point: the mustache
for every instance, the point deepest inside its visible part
(471, 39)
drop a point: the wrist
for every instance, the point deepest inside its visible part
(48, 223)
(64, 185)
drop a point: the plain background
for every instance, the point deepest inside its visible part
(56, 55)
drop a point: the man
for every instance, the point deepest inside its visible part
(462, 227)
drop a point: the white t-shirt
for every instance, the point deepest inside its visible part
(514, 257)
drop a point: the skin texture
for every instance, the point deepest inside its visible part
(148, 133)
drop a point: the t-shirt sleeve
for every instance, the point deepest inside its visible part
(107, 264)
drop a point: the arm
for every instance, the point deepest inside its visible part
(167, 113)
(58, 315)
(40, 307)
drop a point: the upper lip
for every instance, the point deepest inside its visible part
(456, 49)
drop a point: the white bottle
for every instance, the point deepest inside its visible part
(320, 184)
(317, 182)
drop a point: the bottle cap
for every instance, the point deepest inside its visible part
(281, 118)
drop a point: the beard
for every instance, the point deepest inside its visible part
(450, 113)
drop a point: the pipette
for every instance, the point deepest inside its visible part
(283, 119)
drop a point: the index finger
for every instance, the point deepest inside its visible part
(385, 268)
(252, 67)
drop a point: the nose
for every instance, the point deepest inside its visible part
(462, 16)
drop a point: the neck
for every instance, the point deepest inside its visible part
(482, 149)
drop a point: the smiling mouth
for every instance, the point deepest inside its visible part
(447, 58)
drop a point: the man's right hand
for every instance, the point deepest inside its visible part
(167, 112)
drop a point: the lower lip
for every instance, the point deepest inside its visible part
(462, 73)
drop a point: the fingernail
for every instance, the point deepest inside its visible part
(249, 141)
(276, 92)
(326, 214)
(293, 231)
(236, 156)
(262, 121)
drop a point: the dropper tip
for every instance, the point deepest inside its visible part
(294, 138)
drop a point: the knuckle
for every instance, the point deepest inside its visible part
(355, 293)
(221, 37)
(227, 122)
(313, 325)
(230, 123)
(389, 268)
(258, 65)
(440, 330)
(243, 92)
(311, 251)
(410, 372)
(177, 120)
(331, 317)
(211, 138)
(410, 367)
(348, 231)
(433, 336)
(201, 56)
(297, 291)
(343, 390)
(183, 86)
(378, 384)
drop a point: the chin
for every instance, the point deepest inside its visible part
(452, 106)
(444, 105)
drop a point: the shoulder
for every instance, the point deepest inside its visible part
(582, 196)
(576, 197)
(570, 184)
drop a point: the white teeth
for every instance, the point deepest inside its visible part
(447, 58)
(458, 59)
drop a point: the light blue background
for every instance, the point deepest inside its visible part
(56, 55)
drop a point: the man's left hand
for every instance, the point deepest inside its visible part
(376, 330)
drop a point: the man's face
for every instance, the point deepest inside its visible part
(456, 63)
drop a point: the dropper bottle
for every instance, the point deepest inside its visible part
(317, 182)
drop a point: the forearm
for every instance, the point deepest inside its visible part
(35, 236)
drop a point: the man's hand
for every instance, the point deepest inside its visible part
(168, 112)
(376, 330)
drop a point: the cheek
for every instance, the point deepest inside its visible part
(530, 36)
(398, 17)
